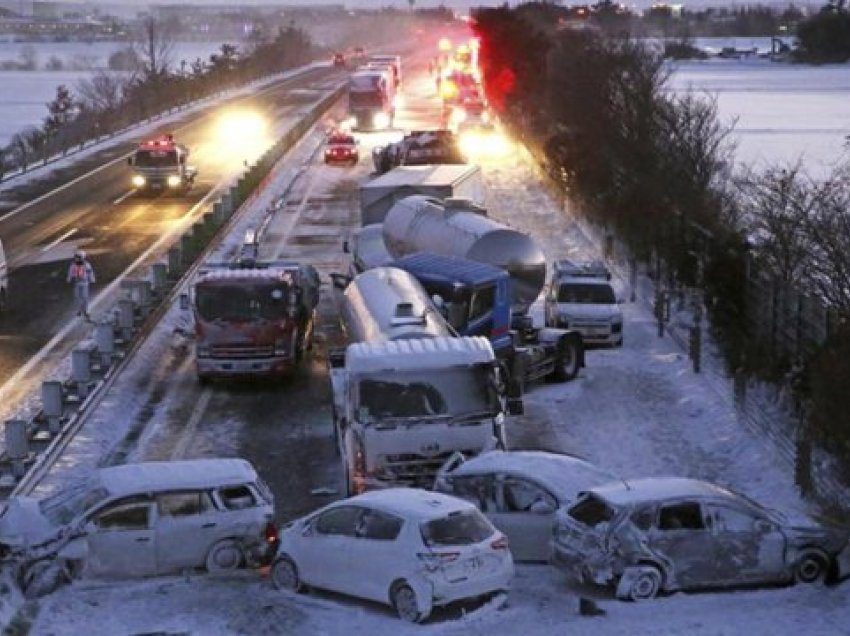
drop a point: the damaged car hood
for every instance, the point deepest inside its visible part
(23, 524)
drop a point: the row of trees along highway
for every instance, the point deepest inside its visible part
(110, 101)
(655, 169)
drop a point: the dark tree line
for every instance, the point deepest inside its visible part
(654, 168)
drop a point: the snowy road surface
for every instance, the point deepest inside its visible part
(635, 411)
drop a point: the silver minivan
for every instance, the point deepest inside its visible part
(141, 520)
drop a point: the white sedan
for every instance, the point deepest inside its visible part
(519, 491)
(406, 547)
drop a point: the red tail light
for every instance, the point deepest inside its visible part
(500, 544)
(270, 533)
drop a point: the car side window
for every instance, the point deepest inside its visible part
(339, 521)
(183, 504)
(728, 519)
(237, 497)
(378, 525)
(482, 302)
(521, 495)
(681, 516)
(476, 489)
(130, 516)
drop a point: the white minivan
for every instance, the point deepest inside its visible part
(140, 520)
(4, 280)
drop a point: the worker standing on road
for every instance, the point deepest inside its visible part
(81, 274)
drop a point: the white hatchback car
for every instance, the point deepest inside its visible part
(405, 547)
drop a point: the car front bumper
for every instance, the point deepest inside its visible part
(243, 367)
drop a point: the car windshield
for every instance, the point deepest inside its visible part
(69, 503)
(242, 301)
(155, 158)
(461, 391)
(463, 527)
(591, 511)
(600, 294)
(341, 139)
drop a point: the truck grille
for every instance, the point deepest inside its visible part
(412, 468)
(247, 351)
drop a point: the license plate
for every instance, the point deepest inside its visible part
(472, 565)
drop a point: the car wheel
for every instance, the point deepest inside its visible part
(42, 578)
(285, 575)
(566, 363)
(404, 601)
(811, 567)
(644, 584)
(224, 556)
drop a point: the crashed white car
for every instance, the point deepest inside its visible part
(646, 536)
(519, 491)
(580, 297)
(409, 548)
(142, 519)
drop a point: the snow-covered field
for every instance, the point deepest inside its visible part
(781, 112)
(635, 411)
(25, 94)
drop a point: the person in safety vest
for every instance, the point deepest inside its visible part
(81, 274)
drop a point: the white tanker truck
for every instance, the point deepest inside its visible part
(408, 392)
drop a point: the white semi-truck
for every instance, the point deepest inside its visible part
(408, 392)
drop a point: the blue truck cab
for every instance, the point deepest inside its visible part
(475, 296)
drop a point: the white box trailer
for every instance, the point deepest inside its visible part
(441, 181)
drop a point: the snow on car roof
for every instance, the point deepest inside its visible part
(635, 491)
(191, 473)
(411, 503)
(563, 475)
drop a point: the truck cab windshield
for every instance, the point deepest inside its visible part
(366, 99)
(242, 302)
(156, 158)
(449, 393)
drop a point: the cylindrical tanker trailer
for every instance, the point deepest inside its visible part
(456, 227)
(387, 303)
(407, 391)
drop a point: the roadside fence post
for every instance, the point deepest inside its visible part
(51, 404)
(17, 445)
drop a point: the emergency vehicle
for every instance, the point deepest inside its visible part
(161, 165)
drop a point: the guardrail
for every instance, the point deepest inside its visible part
(33, 445)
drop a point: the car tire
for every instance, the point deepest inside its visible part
(225, 556)
(285, 576)
(810, 568)
(566, 363)
(644, 585)
(42, 578)
(403, 599)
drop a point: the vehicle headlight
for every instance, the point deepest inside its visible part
(173, 181)
(381, 120)
(138, 180)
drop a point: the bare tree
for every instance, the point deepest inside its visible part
(778, 206)
(828, 266)
(103, 90)
(155, 47)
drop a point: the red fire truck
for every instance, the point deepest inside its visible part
(253, 319)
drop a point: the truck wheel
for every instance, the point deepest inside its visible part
(566, 363)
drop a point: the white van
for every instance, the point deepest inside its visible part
(4, 280)
(141, 520)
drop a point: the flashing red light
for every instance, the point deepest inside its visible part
(270, 533)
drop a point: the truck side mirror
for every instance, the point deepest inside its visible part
(184, 302)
